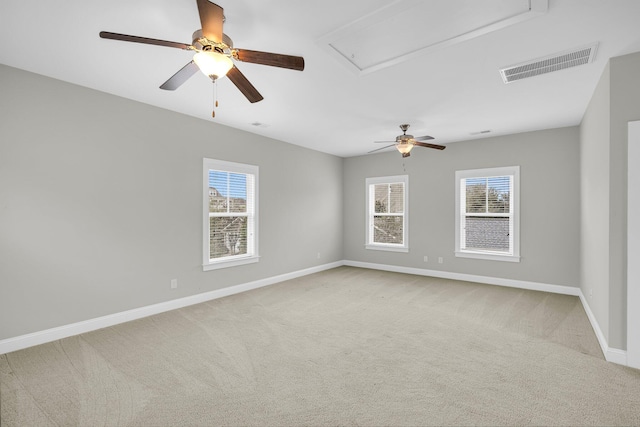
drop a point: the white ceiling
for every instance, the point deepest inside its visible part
(449, 92)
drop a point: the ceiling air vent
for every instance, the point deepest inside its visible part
(549, 64)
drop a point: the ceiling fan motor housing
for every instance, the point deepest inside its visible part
(201, 43)
(403, 138)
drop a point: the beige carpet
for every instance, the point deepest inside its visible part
(347, 346)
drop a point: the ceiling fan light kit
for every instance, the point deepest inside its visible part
(213, 64)
(215, 54)
(404, 147)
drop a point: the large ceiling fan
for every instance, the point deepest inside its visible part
(405, 143)
(214, 53)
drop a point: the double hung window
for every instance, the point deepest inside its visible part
(487, 220)
(387, 213)
(230, 218)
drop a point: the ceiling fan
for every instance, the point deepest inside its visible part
(214, 53)
(405, 143)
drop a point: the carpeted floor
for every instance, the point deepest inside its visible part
(347, 346)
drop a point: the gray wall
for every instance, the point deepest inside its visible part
(625, 107)
(594, 203)
(549, 205)
(603, 132)
(101, 204)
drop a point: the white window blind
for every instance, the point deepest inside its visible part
(487, 221)
(387, 213)
(230, 220)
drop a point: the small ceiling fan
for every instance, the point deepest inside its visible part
(214, 53)
(405, 143)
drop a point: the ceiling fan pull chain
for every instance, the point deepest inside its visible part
(215, 99)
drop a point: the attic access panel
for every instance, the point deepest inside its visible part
(407, 28)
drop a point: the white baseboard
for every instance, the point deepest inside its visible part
(617, 356)
(20, 342)
(511, 283)
(613, 355)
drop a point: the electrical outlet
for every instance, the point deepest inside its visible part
(440, 260)
(174, 283)
(318, 255)
(426, 258)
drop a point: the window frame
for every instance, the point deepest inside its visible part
(460, 211)
(370, 213)
(252, 255)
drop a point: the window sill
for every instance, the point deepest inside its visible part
(230, 263)
(387, 248)
(488, 256)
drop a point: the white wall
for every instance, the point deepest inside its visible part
(549, 205)
(101, 204)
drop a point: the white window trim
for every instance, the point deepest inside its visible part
(232, 261)
(369, 244)
(515, 205)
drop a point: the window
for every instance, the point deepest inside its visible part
(230, 217)
(387, 213)
(487, 222)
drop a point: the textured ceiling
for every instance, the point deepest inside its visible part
(452, 92)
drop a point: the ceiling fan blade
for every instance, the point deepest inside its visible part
(384, 142)
(271, 59)
(424, 144)
(180, 77)
(378, 149)
(144, 40)
(424, 138)
(244, 85)
(211, 19)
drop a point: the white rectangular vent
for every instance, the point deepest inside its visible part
(549, 64)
